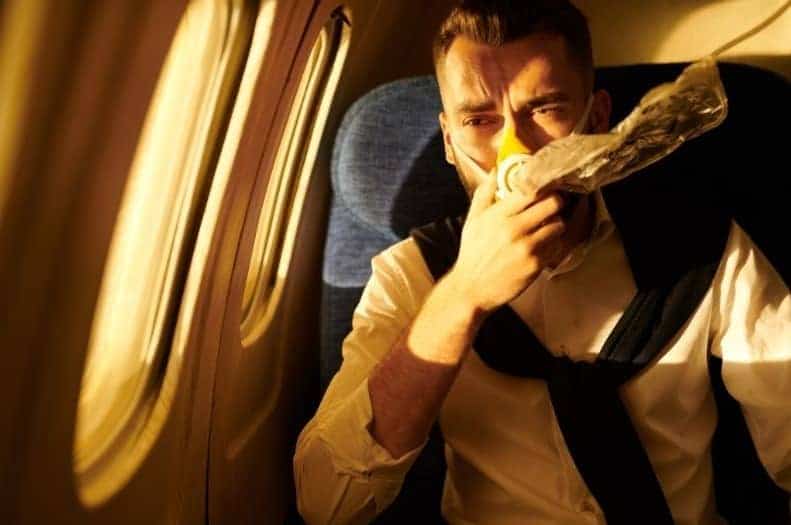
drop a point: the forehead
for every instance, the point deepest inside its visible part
(525, 68)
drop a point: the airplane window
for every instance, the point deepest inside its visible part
(154, 236)
(290, 177)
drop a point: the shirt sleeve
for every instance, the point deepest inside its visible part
(341, 472)
(751, 328)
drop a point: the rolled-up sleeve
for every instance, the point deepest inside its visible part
(751, 329)
(342, 474)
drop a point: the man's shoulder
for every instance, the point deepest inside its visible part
(402, 264)
(740, 244)
(403, 256)
(744, 259)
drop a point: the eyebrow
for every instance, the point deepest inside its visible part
(547, 98)
(470, 106)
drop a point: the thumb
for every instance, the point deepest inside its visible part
(483, 196)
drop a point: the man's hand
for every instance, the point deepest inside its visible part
(505, 245)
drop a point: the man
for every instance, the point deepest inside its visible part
(525, 69)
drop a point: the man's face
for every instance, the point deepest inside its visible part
(529, 84)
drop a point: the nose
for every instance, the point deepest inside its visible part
(511, 144)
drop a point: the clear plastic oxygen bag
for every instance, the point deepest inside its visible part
(666, 117)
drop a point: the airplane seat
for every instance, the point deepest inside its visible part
(389, 175)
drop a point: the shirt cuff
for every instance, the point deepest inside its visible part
(355, 452)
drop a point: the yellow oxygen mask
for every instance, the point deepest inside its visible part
(511, 145)
(510, 156)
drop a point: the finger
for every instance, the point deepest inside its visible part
(542, 211)
(548, 242)
(530, 192)
(482, 197)
(551, 229)
(546, 245)
(515, 202)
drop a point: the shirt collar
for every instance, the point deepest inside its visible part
(603, 227)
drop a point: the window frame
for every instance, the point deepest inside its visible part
(290, 176)
(108, 453)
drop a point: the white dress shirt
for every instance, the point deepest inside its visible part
(507, 460)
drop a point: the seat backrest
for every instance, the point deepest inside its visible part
(389, 175)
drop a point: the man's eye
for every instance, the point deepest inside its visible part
(548, 110)
(477, 122)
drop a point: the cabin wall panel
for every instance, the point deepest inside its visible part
(247, 474)
(627, 32)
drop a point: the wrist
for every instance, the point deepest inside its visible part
(460, 293)
(446, 326)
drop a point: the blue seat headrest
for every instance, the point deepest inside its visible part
(388, 151)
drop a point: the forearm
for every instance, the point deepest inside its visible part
(408, 386)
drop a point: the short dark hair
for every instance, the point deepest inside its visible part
(498, 22)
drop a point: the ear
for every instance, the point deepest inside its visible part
(600, 111)
(443, 124)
